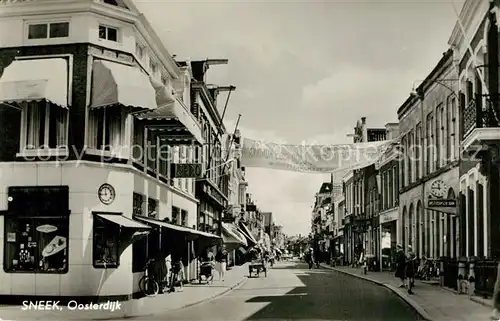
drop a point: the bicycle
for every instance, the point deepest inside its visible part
(147, 284)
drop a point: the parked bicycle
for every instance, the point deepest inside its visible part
(147, 284)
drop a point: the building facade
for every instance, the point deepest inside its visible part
(94, 111)
(475, 48)
(429, 168)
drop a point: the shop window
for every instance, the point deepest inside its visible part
(44, 126)
(184, 215)
(105, 243)
(36, 244)
(175, 215)
(152, 208)
(105, 128)
(48, 30)
(108, 33)
(137, 204)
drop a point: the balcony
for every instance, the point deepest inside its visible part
(480, 125)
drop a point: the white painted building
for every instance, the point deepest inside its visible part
(81, 84)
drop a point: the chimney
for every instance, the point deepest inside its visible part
(364, 129)
(199, 69)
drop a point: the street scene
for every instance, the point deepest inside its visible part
(284, 160)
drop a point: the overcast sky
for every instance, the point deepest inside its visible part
(306, 71)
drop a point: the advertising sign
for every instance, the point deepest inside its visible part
(193, 170)
(438, 198)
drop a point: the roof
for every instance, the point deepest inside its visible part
(326, 188)
(428, 81)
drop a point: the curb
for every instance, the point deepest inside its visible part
(216, 296)
(223, 293)
(405, 298)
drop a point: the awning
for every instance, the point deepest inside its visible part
(123, 221)
(118, 84)
(251, 240)
(35, 80)
(177, 228)
(177, 123)
(231, 235)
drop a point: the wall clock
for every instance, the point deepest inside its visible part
(106, 194)
(438, 189)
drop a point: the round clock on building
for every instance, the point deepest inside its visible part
(106, 194)
(438, 189)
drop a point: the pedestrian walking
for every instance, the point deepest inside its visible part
(410, 269)
(400, 265)
(221, 259)
(177, 275)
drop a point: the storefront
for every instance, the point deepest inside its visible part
(388, 237)
(70, 235)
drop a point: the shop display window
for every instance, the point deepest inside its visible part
(106, 239)
(36, 244)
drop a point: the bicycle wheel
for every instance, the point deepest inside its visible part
(149, 286)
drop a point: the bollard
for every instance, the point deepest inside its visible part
(461, 274)
(472, 277)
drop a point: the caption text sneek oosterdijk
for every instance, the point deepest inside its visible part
(71, 305)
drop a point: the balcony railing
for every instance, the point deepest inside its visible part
(477, 117)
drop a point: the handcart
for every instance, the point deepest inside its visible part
(257, 266)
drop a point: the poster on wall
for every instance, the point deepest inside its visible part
(311, 158)
(11, 237)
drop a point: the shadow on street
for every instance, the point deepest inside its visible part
(329, 295)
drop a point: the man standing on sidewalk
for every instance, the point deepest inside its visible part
(410, 269)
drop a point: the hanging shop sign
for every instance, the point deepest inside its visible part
(311, 158)
(212, 192)
(438, 198)
(193, 170)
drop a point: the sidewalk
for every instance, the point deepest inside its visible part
(191, 295)
(431, 301)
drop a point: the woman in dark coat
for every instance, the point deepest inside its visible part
(401, 265)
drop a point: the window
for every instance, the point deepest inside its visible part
(442, 135)
(453, 127)
(418, 148)
(138, 204)
(175, 215)
(437, 138)
(153, 66)
(45, 125)
(428, 146)
(184, 215)
(105, 128)
(36, 244)
(139, 51)
(108, 33)
(48, 30)
(152, 208)
(105, 243)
